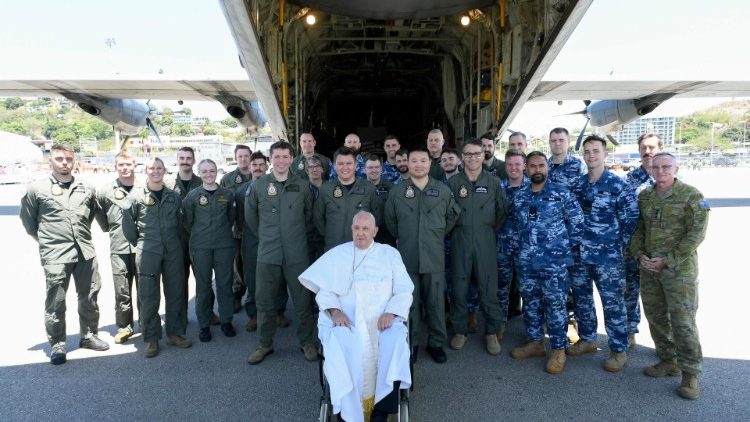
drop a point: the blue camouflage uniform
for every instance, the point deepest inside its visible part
(359, 169)
(550, 224)
(636, 181)
(610, 213)
(570, 169)
(390, 172)
(507, 249)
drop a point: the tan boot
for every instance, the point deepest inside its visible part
(123, 335)
(616, 361)
(311, 352)
(472, 323)
(631, 341)
(492, 345)
(259, 354)
(458, 341)
(662, 369)
(152, 349)
(281, 321)
(689, 387)
(573, 332)
(251, 325)
(555, 362)
(214, 319)
(501, 332)
(532, 349)
(179, 341)
(582, 347)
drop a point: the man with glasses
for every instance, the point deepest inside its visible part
(550, 223)
(484, 208)
(672, 224)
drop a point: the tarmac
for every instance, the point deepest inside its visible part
(212, 381)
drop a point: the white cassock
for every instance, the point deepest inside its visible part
(362, 363)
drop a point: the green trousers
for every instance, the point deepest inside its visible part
(86, 278)
(429, 294)
(153, 269)
(269, 280)
(123, 274)
(670, 302)
(486, 276)
(206, 263)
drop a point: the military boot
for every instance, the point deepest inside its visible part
(458, 341)
(555, 362)
(616, 361)
(492, 345)
(179, 341)
(532, 349)
(472, 323)
(251, 325)
(259, 354)
(662, 369)
(152, 349)
(689, 387)
(582, 347)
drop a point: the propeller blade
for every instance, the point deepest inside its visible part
(152, 128)
(582, 112)
(580, 137)
(612, 139)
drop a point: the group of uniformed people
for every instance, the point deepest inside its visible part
(471, 228)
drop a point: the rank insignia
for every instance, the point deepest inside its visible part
(149, 200)
(463, 192)
(337, 193)
(409, 192)
(56, 190)
(301, 165)
(119, 194)
(203, 200)
(238, 179)
(272, 189)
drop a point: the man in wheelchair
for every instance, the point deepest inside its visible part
(364, 294)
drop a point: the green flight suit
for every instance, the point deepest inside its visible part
(233, 180)
(279, 213)
(179, 188)
(153, 226)
(209, 217)
(336, 206)
(672, 225)
(497, 168)
(59, 215)
(421, 219)
(473, 246)
(299, 165)
(249, 251)
(121, 253)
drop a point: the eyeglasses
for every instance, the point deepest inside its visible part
(473, 154)
(314, 167)
(662, 168)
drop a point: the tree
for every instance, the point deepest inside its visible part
(229, 122)
(14, 126)
(209, 130)
(13, 103)
(186, 111)
(182, 129)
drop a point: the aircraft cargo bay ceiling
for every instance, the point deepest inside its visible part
(398, 66)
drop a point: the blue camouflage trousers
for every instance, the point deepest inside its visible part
(505, 266)
(472, 300)
(610, 281)
(544, 293)
(632, 294)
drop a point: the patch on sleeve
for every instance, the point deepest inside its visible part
(704, 204)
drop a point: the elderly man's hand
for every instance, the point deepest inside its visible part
(339, 318)
(385, 321)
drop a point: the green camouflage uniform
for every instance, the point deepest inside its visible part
(154, 226)
(299, 165)
(121, 253)
(60, 216)
(672, 225)
(279, 213)
(420, 220)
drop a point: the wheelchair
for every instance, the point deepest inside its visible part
(326, 407)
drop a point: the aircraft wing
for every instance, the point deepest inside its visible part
(161, 89)
(619, 90)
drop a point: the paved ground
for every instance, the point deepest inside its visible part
(213, 381)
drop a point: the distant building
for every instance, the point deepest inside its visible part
(200, 121)
(181, 118)
(664, 126)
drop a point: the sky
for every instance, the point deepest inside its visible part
(616, 40)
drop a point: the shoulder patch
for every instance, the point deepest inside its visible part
(704, 204)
